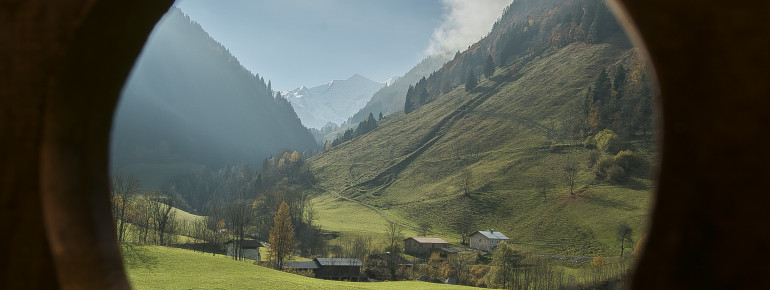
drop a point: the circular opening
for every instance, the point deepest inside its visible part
(570, 153)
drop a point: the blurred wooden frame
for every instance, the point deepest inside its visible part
(63, 64)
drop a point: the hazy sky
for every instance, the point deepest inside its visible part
(310, 42)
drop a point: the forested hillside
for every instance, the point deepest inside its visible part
(542, 130)
(189, 101)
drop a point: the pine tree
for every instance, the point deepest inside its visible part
(489, 66)
(281, 236)
(471, 82)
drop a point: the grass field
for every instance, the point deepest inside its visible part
(155, 267)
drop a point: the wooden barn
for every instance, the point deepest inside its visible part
(330, 268)
(421, 246)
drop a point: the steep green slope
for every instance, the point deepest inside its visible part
(497, 137)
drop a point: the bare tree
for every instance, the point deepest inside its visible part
(241, 217)
(143, 216)
(162, 216)
(467, 181)
(463, 224)
(571, 170)
(623, 234)
(393, 233)
(124, 190)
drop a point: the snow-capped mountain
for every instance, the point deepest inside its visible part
(334, 102)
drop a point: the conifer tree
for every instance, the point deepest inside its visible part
(489, 66)
(281, 236)
(471, 82)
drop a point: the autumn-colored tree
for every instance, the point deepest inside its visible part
(294, 157)
(597, 265)
(281, 236)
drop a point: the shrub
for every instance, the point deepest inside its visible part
(590, 143)
(593, 156)
(616, 174)
(602, 166)
(629, 160)
(607, 141)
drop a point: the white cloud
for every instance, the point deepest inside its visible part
(465, 22)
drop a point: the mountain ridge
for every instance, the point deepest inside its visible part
(332, 102)
(188, 100)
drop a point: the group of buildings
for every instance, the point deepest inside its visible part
(437, 248)
(350, 268)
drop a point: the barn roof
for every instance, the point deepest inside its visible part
(424, 240)
(339, 262)
(493, 235)
(300, 265)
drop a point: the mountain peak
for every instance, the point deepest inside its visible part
(334, 101)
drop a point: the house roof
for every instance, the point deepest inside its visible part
(247, 244)
(301, 265)
(424, 240)
(492, 235)
(338, 261)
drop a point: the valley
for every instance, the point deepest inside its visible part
(542, 131)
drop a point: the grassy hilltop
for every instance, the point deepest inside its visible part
(503, 137)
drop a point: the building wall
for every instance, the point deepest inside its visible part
(480, 242)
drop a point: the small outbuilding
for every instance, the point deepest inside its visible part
(422, 245)
(339, 269)
(486, 240)
(330, 268)
(249, 249)
(443, 253)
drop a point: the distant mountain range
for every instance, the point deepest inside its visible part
(332, 102)
(188, 100)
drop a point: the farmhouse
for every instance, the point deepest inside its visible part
(249, 249)
(486, 240)
(422, 245)
(330, 268)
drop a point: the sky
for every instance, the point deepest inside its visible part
(311, 42)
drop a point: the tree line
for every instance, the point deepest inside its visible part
(587, 21)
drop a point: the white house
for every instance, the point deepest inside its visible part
(249, 249)
(486, 240)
